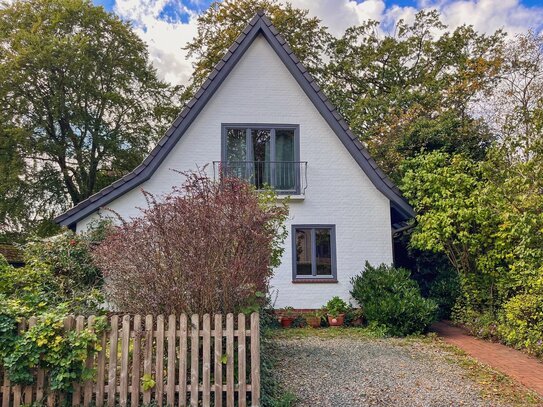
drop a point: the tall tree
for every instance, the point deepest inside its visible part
(222, 23)
(411, 91)
(80, 101)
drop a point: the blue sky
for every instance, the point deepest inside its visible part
(167, 25)
(108, 4)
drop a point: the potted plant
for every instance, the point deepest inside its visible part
(313, 319)
(287, 317)
(335, 310)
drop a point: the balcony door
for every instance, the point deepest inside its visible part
(263, 155)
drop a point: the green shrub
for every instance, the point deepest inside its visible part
(521, 323)
(445, 291)
(482, 324)
(390, 298)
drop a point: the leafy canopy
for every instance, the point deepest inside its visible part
(223, 22)
(81, 103)
(411, 91)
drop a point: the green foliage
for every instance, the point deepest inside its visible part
(81, 104)
(148, 382)
(521, 322)
(48, 346)
(223, 21)
(445, 290)
(391, 299)
(336, 306)
(58, 278)
(411, 91)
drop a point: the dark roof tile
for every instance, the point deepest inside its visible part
(266, 21)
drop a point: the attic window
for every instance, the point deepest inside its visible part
(265, 155)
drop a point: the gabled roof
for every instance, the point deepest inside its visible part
(259, 25)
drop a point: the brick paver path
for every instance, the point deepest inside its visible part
(515, 364)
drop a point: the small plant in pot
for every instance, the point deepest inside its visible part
(287, 317)
(313, 319)
(335, 311)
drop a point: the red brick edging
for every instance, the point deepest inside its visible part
(521, 367)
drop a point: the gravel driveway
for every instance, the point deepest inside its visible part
(346, 371)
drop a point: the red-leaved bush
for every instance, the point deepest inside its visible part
(206, 247)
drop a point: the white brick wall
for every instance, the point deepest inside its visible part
(261, 90)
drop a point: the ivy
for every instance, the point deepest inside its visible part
(48, 346)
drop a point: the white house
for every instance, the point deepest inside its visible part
(261, 116)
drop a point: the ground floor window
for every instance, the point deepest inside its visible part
(314, 252)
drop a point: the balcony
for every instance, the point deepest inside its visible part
(285, 177)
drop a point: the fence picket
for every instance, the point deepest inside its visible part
(27, 396)
(170, 386)
(242, 379)
(6, 391)
(125, 344)
(76, 395)
(194, 359)
(129, 355)
(101, 370)
(87, 390)
(218, 361)
(206, 350)
(112, 365)
(148, 356)
(183, 360)
(159, 368)
(136, 360)
(255, 359)
(230, 360)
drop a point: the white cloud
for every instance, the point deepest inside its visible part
(166, 37)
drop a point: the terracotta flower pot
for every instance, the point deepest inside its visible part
(313, 322)
(286, 322)
(336, 321)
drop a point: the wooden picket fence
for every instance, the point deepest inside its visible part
(196, 361)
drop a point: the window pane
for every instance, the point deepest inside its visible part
(261, 156)
(285, 168)
(236, 145)
(303, 252)
(236, 153)
(323, 247)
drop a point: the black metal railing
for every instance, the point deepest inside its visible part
(285, 177)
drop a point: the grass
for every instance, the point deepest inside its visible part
(493, 385)
(344, 332)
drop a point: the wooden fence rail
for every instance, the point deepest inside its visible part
(173, 361)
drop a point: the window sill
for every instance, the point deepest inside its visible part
(291, 197)
(314, 281)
